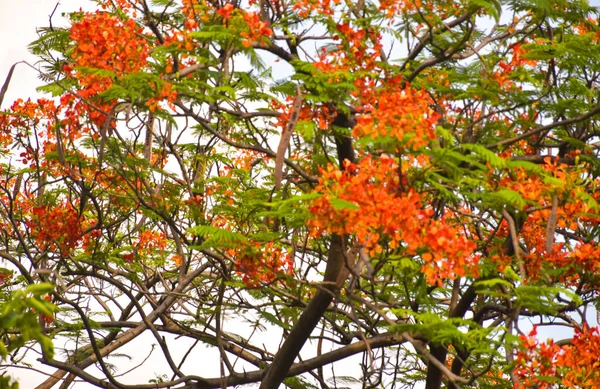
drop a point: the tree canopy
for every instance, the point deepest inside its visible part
(404, 187)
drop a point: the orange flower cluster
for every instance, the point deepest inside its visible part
(165, 92)
(149, 241)
(259, 263)
(91, 239)
(47, 119)
(126, 6)
(244, 159)
(102, 41)
(503, 76)
(357, 53)
(48, 319)
(5, 275)
(529, 186)
(576, 365)
(392, 8)
(583, 257)
(403, 114)
(305, 8)
(257, 29)
(590, 26)
(571, 214)
(177, 259)
(23, 117)
(376, 211)
(586, 255)
(56, 227)
(359, 41)
(196, 11)
(227, 11)
(320, 114)
(253, 29)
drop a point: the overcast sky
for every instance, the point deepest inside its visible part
(18, 20)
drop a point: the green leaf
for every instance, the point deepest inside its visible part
(47, 346)
(3, 350)
(588, 199)
(306, 129)
(486, 154)
(216, 233)
(53, 88)
(340, 204)
(530, 166)
(298, 383)
(39, 306)
(509, 197)
(511, 274)
(274, 320)
(493, 283)
(39, 289)
(491, 7)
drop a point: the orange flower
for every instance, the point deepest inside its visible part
(56, 227)
(226, 11)
(177, 259)
(102, 41)
(367, 200)
(261, 263)
(151, 240)
(401, 113)
(252, 29)
(574, 365)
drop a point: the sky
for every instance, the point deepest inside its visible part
(18, 22)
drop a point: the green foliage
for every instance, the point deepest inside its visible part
(217, 237)
(462, 334)
(485, 154)
(298, 383)
(492, 7)
(340, 204)
(20, 319)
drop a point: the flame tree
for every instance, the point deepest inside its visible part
(415, 190)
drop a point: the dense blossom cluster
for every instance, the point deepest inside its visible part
(258, 263)
(321, 115)
(545, 364)
(380, 214)
(103, 41)
(149, 241)
(252, 29)
(559, 181)
(56, 227)
(401, 116)
(392, 8)
(24, 117)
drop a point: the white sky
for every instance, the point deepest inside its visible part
(18, 20)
